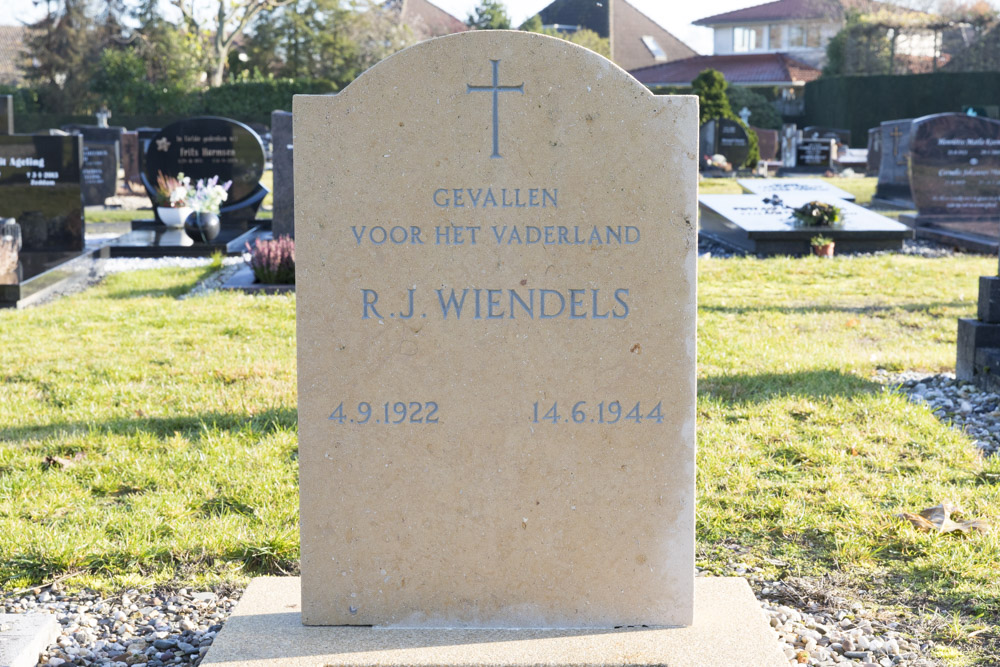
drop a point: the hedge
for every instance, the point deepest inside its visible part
(862, 102)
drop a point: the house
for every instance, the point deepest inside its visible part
(802, 29)
(635, 39)
(426, 19)
(12, 54)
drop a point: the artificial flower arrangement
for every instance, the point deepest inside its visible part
(208, 196)
(811, 214)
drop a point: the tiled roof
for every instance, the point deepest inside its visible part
(11, 53)
(750, 69)
(428, 20)
(780, 10)
(630, 26)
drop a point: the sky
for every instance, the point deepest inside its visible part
(674, 15)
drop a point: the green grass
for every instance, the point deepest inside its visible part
(177, 421)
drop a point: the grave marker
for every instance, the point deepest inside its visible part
(783, 186)
(99, 176)
(283, 222)
(893, 188)
(6, 114)
(496, 340)
(725, 137)
(815, 155)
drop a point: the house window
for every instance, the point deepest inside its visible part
(654, 48)
(774, 37)
(748, 39)
(796, 36)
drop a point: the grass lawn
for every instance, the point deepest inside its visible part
(146, 439)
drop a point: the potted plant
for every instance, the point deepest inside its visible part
(205, 200)
(172, 193)
(822, 246)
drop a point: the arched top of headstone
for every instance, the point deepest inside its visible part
(207, 146)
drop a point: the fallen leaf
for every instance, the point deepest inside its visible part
(853, 322)
(50, 461)
(938, 519)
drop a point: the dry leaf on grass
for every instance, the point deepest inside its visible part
(51, 461)
(938, 519)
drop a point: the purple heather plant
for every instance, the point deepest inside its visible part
(273, 262)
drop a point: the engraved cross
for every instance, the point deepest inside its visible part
(496, 89)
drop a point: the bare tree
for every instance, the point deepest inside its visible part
(221, 28)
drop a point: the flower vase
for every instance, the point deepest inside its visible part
(825, 250)
(173, 217)
(202, 227)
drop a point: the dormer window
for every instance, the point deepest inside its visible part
(748, 39)
(654, 48)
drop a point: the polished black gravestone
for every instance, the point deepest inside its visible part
(145, 135)
(99, 177)
(282, 169)
(209, 146)
(978, 357)
(955, 177)
(40, 189)
(748, 223)
(6, 114)
(893, 187)
(814, 155)
(874, 151)
(725, 137)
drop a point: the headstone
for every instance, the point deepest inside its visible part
(744, 115)
(841, 135)
(955, 166)
(207, 146)
(767, 143)
(748, 223)
(40, 188)
(471, 196)
(784, 186)
(6, 114)
(99, 177)
(815, 155)
(283, 223)
(725, 137)
(789, 139)
(893, 187)
(874, 151)
(955, 180)
(130, 158)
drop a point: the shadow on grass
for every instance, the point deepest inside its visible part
(172, 291)
(191, 426)
(762, 387)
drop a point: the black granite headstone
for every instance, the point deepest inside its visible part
(725, 137)
(874, 150)
(893, 174)
(209, 146)
(40, 188)
(814, 155)
(955, 167)
(6, 114)
(99, 177)
(284, 177)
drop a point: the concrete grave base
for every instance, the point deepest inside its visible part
(23, 637)
(265, 629)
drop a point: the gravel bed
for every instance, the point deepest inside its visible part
(962, 405)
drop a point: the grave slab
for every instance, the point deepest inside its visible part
(783, 186)
(266, 630)
(747, 223)
(23, 637)
(148, 239)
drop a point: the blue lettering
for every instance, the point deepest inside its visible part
(492, 302)
(489, 198)
(562, 304)
(595, 316)
(475, 197)
(619, 293)
(549, 196)
(612, 233)
(477, 291)
(530, 310)
(514, 234)
(595, 236)
(517, 199)
(358, 235)
(371, 235)
(369, 298)
(452, 302)
(503, 198)
(576, 299)
(458, 198)
(528, 237)
(631, 235)
(533, 198)
(441, 204)
(446, 234)
(409, 314)
(563, 235)
(499, 232)
(549, 237)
